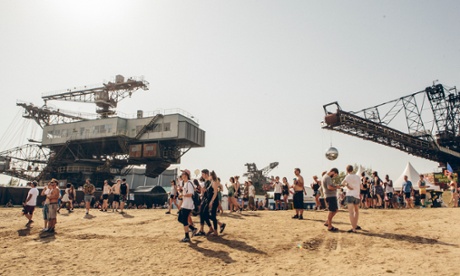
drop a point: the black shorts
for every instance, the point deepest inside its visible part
(316, 193)
(105, 196)
(183, 216)
(389, 196)
(28, 209)
(172, 197)
(363, 192)
(407, 195)
(277, 196)
(298, 200)
(116, 198)
(422, 196)
(332, 204)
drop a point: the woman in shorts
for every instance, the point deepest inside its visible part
(316, 193)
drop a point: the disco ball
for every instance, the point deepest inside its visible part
(332, 153)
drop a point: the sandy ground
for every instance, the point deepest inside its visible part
(146, 242)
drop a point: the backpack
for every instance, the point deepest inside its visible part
(196, 201)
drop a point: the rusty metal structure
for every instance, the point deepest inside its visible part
(430, 127)
(260, 178)
(99, 146)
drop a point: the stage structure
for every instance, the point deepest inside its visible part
(100, 146)
(430, 127)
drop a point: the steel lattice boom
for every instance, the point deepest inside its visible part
(436, 108)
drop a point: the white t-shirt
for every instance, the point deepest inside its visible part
(33, 200)
(187, 202)
(354, 182)
(251, 191)
(389, 189)
(278, 187)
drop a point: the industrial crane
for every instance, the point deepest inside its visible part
(432, 119)
(99, 146)
(260, 178)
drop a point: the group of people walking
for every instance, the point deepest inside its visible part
(55, 201)
(202, 197)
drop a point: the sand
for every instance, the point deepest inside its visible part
(146, 242)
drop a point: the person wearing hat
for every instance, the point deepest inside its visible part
(187, 204)
(31, 202)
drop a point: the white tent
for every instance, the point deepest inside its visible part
(360, 171)
(414, 177)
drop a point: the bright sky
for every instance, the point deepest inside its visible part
(255, 73)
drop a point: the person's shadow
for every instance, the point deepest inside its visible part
(234, 244)
(24, 232)
(125, 215)
(89, 216)
(222, 255)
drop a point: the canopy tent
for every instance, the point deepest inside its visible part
(361, 170)
(414, 177)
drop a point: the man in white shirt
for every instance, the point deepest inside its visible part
(252, 195)
(30, 203)
(353, 184)
(277, 191)
(187, 203)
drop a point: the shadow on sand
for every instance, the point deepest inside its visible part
(46, 237)
(24, 232)
(89, 216)
(234, 244)
(125, 215)
(222, 255)
(407, 238)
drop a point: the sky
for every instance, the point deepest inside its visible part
(255, 74)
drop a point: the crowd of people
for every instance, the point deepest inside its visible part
(203, 197)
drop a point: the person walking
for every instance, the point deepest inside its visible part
(30, 203)
(88, 190)
(116, 195)
(53, 198)
(187, 204)
(172, 196)
(353, 184)
(277, 192)
(252, 195)
(45, 192)
(389, 190)
(124, 192)
(316, 193)
(407, 189)
(422, 189)
(330, 192)
(106, 190)
(299, 191)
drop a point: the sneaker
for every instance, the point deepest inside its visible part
(201, 233)
(222, 228)
(185, 240)
(44, 229)
(194, 232)
(167, 213)
(358, 227)
(300, 217)
(295, 217)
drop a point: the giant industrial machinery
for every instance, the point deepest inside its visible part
(431, 128)
(260, 178)
(76, 146)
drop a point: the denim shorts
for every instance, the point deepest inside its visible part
(352, 200)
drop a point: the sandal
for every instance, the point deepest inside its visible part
(327, 225)
(351, 231)
(358, 227)
(333, 229)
